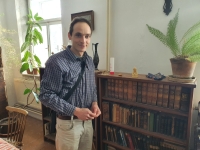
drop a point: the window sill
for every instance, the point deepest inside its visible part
(30, 75)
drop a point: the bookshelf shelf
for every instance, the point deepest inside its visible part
(48, 118)
(144, 113)
(116, 145)
(146, 132)
(51, 136)
(146, 106)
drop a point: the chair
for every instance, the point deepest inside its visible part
(16, 125)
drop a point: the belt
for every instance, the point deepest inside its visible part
(66, 117)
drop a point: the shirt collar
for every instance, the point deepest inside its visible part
(73, 57)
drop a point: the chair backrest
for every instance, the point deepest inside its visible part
(16, 125)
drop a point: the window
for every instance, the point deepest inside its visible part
(51, 27)
(47, 9)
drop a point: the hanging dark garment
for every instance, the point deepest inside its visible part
(167, 7)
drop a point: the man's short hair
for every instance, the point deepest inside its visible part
(76, 20)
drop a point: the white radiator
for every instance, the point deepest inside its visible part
(20, 85)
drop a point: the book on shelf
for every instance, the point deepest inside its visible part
(134, 91)
(130, 91)
(144, 93)
(109, 84)
(116, 89)
(171, 96)
(125, 93)
(123, 138)
(139, 92)
(154, 94)
(129, 141)
(185, 99)
(165, 98)
(121, 86)
(177, 98)
(105, 111)
(149, 93)
(167, 144)
(112, 88)
(160, 94)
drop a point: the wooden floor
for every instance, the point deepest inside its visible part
(33, 136)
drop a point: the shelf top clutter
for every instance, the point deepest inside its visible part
(143, 78)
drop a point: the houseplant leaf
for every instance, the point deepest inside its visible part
(24, 46)
(27, 91)
(24, 67)
(37, 60)
(39, 26)
(172, 41)
(38, 18)
(38, 35)
(26, 56)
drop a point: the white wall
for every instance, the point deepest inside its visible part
(132, 45)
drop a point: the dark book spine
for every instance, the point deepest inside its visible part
(185, 99)
(121, 89)
(105, 108)
(171, 96)
(165, 98)
(144, 93)
(134, 92)
(130, 91)
(177, 98)
(160, 94)
(154, 94)
(139, 92)
(125, 90)
(145, 116)
(116, 89)
(109, 88)
(129, 141)
(149, 93)
(112, 88)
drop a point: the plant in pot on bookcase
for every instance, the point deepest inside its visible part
(186, 53)
(31, 62)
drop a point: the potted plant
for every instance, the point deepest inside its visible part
(30, 61)
(186, 52)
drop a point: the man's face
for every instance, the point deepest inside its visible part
(80, 37)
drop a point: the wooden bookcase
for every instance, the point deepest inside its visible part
(144, 113)
(46, 118)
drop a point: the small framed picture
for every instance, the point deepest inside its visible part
(89, 15)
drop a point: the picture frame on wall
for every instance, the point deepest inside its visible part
(89, 15)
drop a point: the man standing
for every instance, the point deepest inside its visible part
(60, 75)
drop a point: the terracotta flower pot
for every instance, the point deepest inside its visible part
(35, 71)
(182, 68)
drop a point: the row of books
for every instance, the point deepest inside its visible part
(164, 95)
(153, 121)
(136, 141)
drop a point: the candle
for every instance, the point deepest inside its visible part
(112, 65)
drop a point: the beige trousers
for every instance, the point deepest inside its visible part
(74, 137)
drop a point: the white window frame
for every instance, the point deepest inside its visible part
(47, 23)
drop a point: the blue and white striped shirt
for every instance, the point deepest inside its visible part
(60, 75)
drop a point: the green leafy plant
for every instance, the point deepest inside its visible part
(189, 46)
(30, 60)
